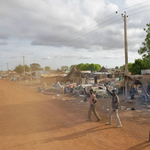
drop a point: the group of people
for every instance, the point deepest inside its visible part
(114, 107)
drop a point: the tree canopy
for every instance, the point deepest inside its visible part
(91, 67)
(116, 67)
(145, 50)
(64, 68)
(47, 68)
(19, 68)
(137, 66)
(129, 67)
(35, 66)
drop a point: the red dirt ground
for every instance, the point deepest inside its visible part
(34, 121)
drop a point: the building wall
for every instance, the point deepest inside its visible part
(101, 76)
(49, 80)
(38, 73)
(145, 71)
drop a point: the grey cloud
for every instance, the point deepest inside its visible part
(60, 56)
(112, 57)
(3, 43)
(13, 57)
(46, 58)
(43, 24)
(86, 57)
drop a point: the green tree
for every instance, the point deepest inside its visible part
(86, 66)
(146, 64)
(64, 68)
(27, 68)
(80, 66)
(92, 67)
(129, 67)
(123, 67)
(97, 67)
(145, 50)
(19, 69)
(35, 66)
(116, 67)
(137, 67)
(47, 68)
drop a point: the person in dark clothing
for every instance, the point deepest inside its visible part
(95, 79)
(114, 108)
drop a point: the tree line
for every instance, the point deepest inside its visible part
(33, 67)
(87, 66)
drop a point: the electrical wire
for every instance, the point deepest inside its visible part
(139, 12)
(80, 31)
(139, 8)
(74, 36)
(133, 6)
(96, 29)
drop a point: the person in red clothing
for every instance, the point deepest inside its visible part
(92, 106)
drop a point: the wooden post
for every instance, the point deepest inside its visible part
(149, 136)
(126, 55)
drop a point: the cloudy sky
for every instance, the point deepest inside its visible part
(65, 32)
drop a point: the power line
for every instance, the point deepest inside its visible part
(139, 12)
(133, 6)
(99, 20)
(81, 34)
(78, 33)
(96, 29)
(139, 8)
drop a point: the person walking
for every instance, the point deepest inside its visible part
(114, 108)
(92, 106)
(95, 79)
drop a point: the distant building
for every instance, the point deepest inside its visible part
(37, 74)
(102, 73)
(146, 71)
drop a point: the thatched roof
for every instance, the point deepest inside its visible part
(103, 69)
(75, 72)
(121, 84)
(141, 78)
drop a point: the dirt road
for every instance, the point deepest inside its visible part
(34, 121)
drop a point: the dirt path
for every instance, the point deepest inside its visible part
(34, 121)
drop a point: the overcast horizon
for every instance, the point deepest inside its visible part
(67, 32)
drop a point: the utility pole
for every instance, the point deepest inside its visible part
(7, 67)
(23, 65)
(126, 53)
(125, 43)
